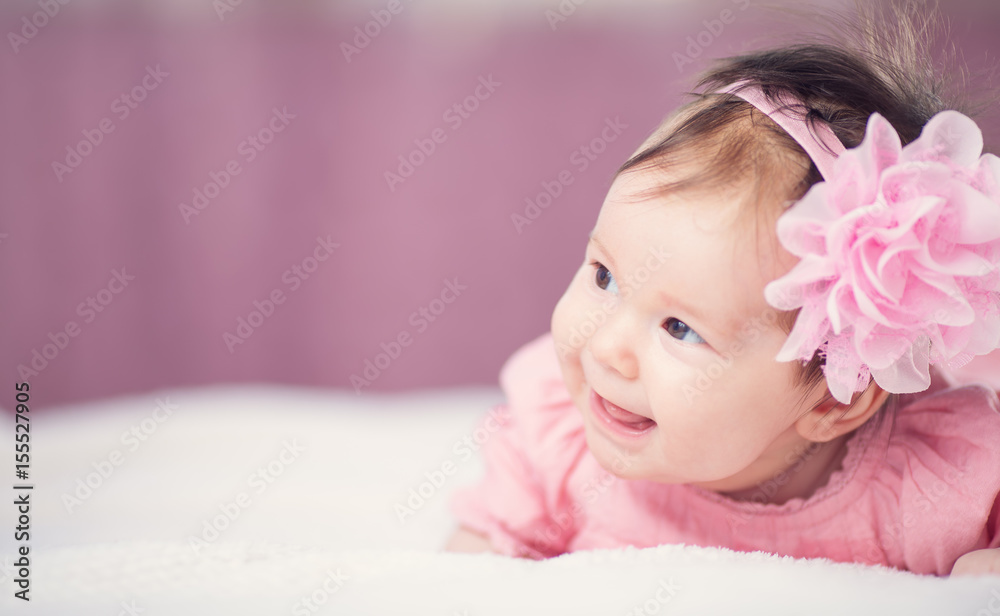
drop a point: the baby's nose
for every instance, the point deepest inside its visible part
(612, 347)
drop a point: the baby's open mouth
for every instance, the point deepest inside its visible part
(628, 419)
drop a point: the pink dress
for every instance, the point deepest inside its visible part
(913, 494)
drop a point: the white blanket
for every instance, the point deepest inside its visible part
(306, 501)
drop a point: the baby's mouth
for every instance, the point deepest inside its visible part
(624, 416)
(630, 419)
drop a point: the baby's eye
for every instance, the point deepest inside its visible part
(682, 331)
(604, 279)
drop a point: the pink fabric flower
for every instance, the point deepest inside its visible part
(899, 254)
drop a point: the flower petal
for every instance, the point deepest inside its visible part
(892, 266)
(837, 305)
(867, 286)
(949, 135)
(978, 216)
(878, 346)
(880, 148)
(811, 327)
(802, 229)
(957, 262)
(912, 181)
(844, 371)
(939, 297)
(856, 172)
(790, 291)
(908, 374)
(987, 177)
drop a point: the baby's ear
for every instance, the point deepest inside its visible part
(830, 419)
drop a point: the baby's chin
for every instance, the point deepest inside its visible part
(616, 462)
(635, 467)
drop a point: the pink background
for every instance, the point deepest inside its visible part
(323, 175)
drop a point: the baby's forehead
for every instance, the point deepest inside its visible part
(749, 200)
(734, 206)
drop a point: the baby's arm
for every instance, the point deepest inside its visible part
(466, 540)
(978, 562)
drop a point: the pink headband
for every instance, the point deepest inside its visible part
(817, 139)
(899, 250)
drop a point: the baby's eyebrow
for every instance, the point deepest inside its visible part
(611, 260)
(724, 327)
(668, 300)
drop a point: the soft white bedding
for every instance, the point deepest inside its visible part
(323, 511)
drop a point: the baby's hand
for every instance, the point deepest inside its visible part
(978, 562)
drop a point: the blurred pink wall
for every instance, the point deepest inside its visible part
(291, 144)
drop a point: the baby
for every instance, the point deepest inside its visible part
(761, 350)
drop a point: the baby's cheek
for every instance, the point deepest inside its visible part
(566, 320)
(568, 339)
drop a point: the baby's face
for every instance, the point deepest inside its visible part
(666, 319)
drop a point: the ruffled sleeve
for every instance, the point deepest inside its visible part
(521, 503)
(936, 494)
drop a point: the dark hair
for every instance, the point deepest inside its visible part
(879, 60)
